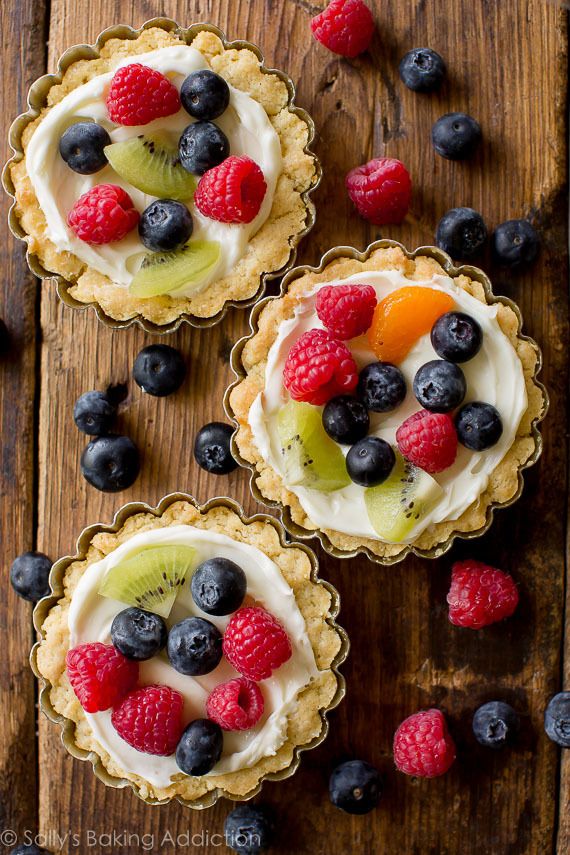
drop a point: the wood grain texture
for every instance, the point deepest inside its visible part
(23, 59)
(508, 68)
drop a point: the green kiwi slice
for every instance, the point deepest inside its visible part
(163, 272)
(150, 579)
(397, 505)
(311, 458)
(150, 163)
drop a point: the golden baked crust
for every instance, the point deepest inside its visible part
(313, 599)
(270, 248)
(504, 480)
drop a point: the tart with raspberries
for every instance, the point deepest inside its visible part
(166, 175)
(189, 652)
(387, 401)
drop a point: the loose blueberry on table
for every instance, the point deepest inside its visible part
(456, 136)
(212, 448)
(159, 370)
(110, 463)
(29, 575)
(461, 233)
(515, 244)
(249, 829)
(151, 718)
(557, 719)
(422, 70)
(355, 787)
(94, 413)
(495, 724)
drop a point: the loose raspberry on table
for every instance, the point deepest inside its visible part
(346, 310)
(102, 215)
(150, 720)
(231, 192)
(100, 676)
(423, 746)
(480, 595)
(428, 440)
(255, 643)
(319, 367)
(345, 27)
(381, 190)
(235, 705)
(139, 94)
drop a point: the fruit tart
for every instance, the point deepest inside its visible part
(387, 401)
(189, 652)
(166, 175)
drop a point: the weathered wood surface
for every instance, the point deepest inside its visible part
(507, 66)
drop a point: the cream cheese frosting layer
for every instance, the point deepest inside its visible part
(91, 616)
(57, 187)
(494, 375)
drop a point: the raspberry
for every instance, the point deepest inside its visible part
(428, 440)
(319, 367)
(236, 705)
(100, 676)
(380, 190)
(139, 94)
(480, 595)
(346, 27)
(150, 720)
(255, 643)
(231, 192)
(102, 215)
(423, 746)
(346, 310)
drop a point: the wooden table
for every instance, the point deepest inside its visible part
(507, 66)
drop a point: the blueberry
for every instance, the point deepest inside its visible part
(370, 461)
(94, 413)
(29, 576)
(194, 646)
(440, 386)
(29, 849)
(455, 136)
(515, 243)
(218, 586)
(200, 747)
(165, 225)
(82, 147)
(355, 787)
(478, 425)
(212, 448)
(461, 232)
(248, 829)
(138, 634)
(495, 724)
(557, 719)
(159, 370)
(345, 419)
(456, 337)
(202, 146)
(381, 387)
(205, 95)
(422, 70)
(110, 463)
(4, 338)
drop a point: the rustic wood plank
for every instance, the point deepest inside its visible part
(405, 655)
(23, 58)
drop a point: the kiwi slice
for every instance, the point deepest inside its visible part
(163, 272)
(396, 506)
(150, 579)
(311, 458)
(151, 164)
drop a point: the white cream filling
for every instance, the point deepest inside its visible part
(91, 616)
(494, 376)
(57, 187)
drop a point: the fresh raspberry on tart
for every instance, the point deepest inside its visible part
(150, 720)
(256, 643)
(104, 214)
(139, 94)
(236, 705)
(99, 675)
(319, 367)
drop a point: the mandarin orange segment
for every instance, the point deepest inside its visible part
(402, 317)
